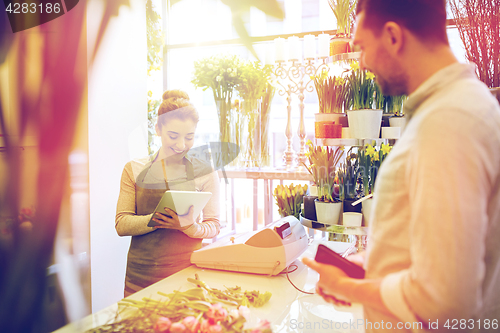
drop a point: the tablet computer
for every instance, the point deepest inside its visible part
(180, 201)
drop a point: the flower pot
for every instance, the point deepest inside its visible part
(313, 190)
(365, 124)
(348, 207)
(328, 212)
(391, 132)
(319, 129)
(352, 219)
(339, 45)
(386, 119)
(346, 133)
(366, 210)
(330, 117)
(310, 207)
(332, 130)
(323, 125)
(398, 122)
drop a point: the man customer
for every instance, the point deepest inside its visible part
(433, 253)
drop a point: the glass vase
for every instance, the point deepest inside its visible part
(252, 144)
(224, 113)
(265, 145)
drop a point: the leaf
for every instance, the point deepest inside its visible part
(269, 7)
(199, 305)
(239, 26)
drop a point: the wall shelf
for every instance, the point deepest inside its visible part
(349, 142)
(334, 228)
(344, 56)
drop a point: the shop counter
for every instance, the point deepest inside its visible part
(288, 310)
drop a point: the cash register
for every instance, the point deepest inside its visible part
(267, 251)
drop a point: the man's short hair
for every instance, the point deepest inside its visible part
(426, 19)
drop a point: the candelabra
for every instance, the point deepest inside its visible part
(290, 79)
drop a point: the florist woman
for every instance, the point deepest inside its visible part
(158, 252)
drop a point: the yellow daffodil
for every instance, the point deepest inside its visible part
(376, 157)
(339, 81)
(309, 143)
(370, 75)
(354, 65)
(385, 149)
(283, 195)
(370, 151)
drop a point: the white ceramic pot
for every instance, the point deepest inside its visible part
(366, 210)
(398, 122)
(391, 132)
(365, 124)
(328, 212)
(352, 219)
(346, 133)
(333, 117)
(313, 190)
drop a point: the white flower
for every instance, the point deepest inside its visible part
(234, 313)
(218, 78)
(244, 311)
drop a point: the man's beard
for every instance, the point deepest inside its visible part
(392, 87)
(394, 82)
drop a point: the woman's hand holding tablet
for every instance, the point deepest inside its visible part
(178, 209)
(170, 219)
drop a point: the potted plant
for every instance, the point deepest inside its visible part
(254, 79)
(342, 9)
(348, 175)
(370, 161)
(364, 121)
(332, 93)
(478, 29)
(289, 199)
(322, 166)
(394, 105)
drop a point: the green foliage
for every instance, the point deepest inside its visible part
(332, 93)
(322, 165)
(153, 105)
(362, 88)
(348, 176)
(221, 73)
(253, 80)
(155, 38)
(289, 199)
(343, 10)
(394, 104)
(265, 116)
(370, 160)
